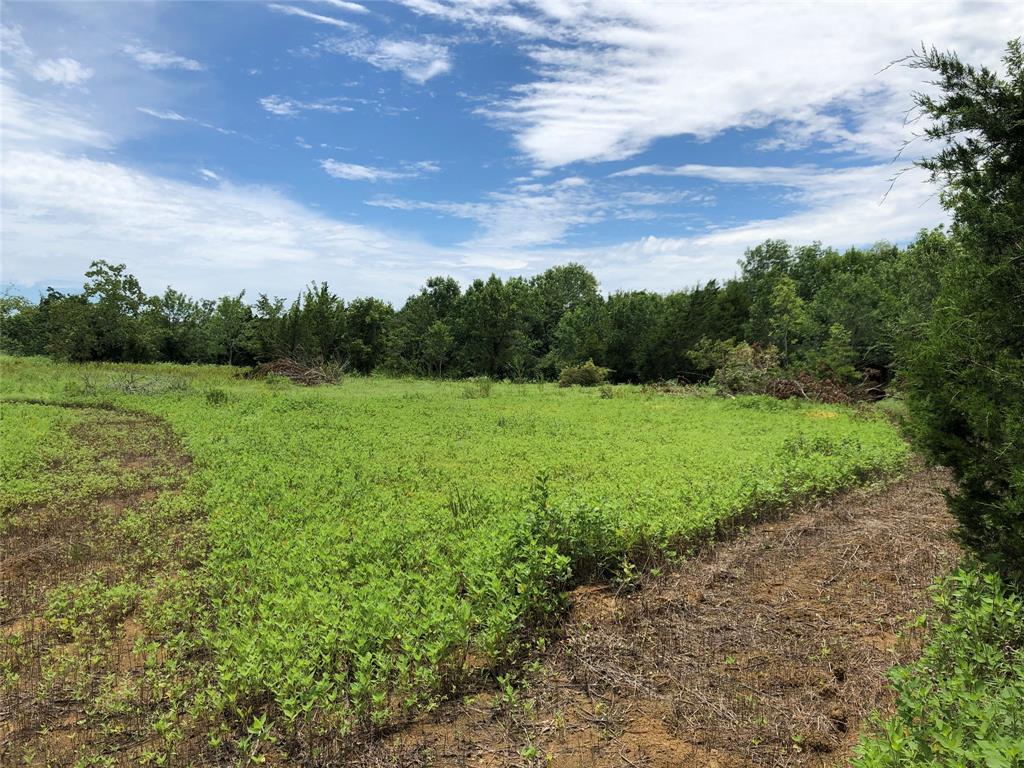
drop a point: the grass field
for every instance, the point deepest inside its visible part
(364, 548)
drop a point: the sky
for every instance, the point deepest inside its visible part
(216, 147)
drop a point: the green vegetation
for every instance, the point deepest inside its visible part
(372, 544)
(965, 369)
(586, 375)
(962, 704)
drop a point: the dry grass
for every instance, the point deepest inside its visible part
(767, 650)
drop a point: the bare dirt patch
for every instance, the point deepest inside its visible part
(71, 575)
(767, 650)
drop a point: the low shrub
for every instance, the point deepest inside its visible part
(586, 375)
(216, 396)
(477, 387)
(961, 704)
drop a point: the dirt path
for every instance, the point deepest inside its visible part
(768, 650)
(77, 575)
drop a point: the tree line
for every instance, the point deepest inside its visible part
(838, 313)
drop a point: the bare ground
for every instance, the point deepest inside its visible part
(74, 690)
(767, 650)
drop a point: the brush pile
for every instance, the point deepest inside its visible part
(306, 374)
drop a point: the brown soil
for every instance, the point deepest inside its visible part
(54, 673)
(767, 650)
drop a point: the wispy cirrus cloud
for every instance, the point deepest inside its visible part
(152, 59)
(534, 214)
(418, 60)
(373, 174)
(29, 121)
(63, 71)
(16, 51)
(285, 107)
(164, 114)
(294, 10)
(176, 117)
(68, 199)
(610, 78)
(813, 185)
(345, 5)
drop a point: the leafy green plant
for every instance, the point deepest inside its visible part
(478, 387)
(961, 705)
(586, 375)
(216, 396)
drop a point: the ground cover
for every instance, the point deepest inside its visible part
(370, 549)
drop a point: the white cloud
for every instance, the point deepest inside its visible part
(176, 117)
(285, 107)
(15, 49)
(344, 5)
(63, 71)
(164, 114)
(150, 59)
(356, 172)
(533, 214)
(29, 121)
(416, 60)
(292, 10)
(782, 175)
(425, 166)
(60, 213)
(611, 78)
(840, 208)
(62, 208)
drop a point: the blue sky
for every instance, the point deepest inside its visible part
(222, 146)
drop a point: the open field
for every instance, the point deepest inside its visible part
(269, 570)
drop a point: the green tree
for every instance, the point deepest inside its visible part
(408, 348)
(788, 317)
(20, 326)
(182, 328)
(438, 343)
(562, 288)
(367, 321)
(494, 318)
(227, 329)
(581, 334)
(633, 320)
(119, 314)
(71, 327)
(837, 354)
(965, 378)
(762, 267)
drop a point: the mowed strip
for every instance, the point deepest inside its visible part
(767, 650)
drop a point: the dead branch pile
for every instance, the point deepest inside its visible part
(306, 374)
